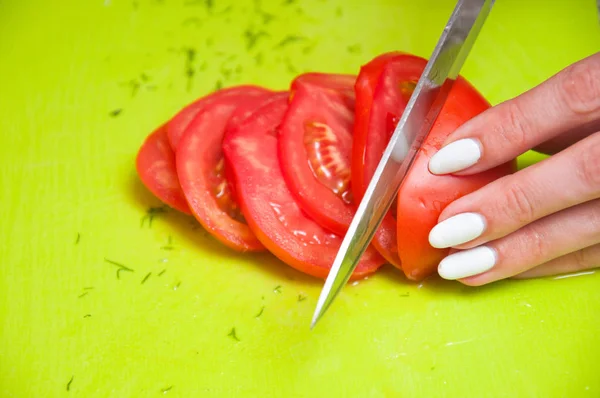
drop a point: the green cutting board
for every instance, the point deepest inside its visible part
(83, 82)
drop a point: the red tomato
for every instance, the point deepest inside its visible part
(177, 126)
(201, 168)
(384, 88)
(423, 196)
(155, 164)
(315, 145)
(268, 205)
(376, 117)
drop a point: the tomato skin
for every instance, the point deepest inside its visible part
(315, 142)
(423, 196)
(155, 164)
(201, 168)
(269, 206)
(180, 122)
(341, 84)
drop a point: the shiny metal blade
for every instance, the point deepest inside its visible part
(429, 96)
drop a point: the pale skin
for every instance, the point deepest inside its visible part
(542, 220)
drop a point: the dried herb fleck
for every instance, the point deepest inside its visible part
(145, 278)
(116, 112)
(190, 55)
(258, 59)
(151, 213)
(354, 49)
(252, 37)
(166, 390)
(260, 312)
(83, 294)
(218, 85)
(405, 294)
(161, 272)
(120, 266)
(69, 383)
(277, 289)
(78, 238)
(87, 315)
(233, 334)
(301, 297)
(289, 40)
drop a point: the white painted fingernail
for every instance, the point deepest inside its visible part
(467, 263)
(455, 156)
(456, 230)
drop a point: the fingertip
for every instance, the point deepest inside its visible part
(456, 156)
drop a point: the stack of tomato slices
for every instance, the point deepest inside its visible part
(285, 171)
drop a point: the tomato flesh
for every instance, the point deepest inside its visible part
(268, 204)
(155, 164)
(202, 169)
(315, 146)
(177, 126)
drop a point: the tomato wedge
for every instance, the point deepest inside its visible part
(180, 122)
(201, 168)
(315, 146)
(423, 196)
(269, 206)
(155, 164)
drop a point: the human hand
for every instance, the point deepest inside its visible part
(544, 219)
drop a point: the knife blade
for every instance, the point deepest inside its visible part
(424, 105)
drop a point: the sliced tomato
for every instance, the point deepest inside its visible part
(269, 206)
(315, 147)
(378, 107)
(201, 169)
(180, 122)
(155, 164)
(423, 196)
(387, 83)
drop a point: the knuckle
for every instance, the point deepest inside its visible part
(519, 205)
(512, 125)
(534, 245)
(589, 163)
(580, 88)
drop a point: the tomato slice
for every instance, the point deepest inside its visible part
(201, 169)
(269, 206)
(423, 196)
(364, 88)
(315, 146)
(383, 89)
(180, 122)
(155, 164)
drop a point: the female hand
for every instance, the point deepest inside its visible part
(544, 219)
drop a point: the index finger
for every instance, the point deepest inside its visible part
(567, 101)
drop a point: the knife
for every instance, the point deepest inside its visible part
(424, 105)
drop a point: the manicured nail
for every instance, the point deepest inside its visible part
(467, 263)
(455, 156)
(457, 230)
